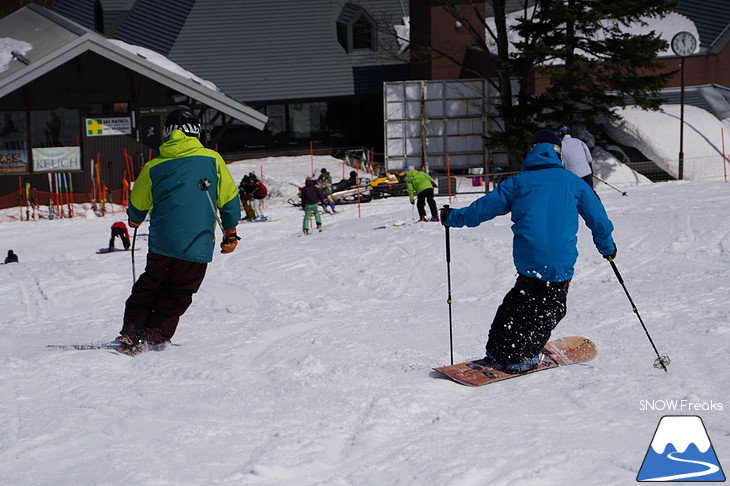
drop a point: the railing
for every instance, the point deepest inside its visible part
(51, 205)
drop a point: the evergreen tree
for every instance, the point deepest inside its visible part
(590, 60)
(585, 51)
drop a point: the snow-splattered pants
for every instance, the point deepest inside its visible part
(160, 296)
(525, 319)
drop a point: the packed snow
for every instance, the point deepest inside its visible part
(306, 360)
(7, 47)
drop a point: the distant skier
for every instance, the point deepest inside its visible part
(544, 201)
(182, 230)
(576, 156)
(259, 193)
(324, 182)
(245, 191)
(420, 184)
(119, 229)
(11, 258)
(311, 197)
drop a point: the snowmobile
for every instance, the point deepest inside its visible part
(391, 184)
(346, 192)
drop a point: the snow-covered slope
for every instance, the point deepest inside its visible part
(307, 360)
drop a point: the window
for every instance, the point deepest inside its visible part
(356, 29)
(307, 121)
(13, 147)
(55, 128)
(362, 35)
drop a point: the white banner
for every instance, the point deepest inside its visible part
(56, 159)
(99, 127)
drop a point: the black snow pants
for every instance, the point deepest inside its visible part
(424, 196)
(526, 318)
(160, 296)
(122, 236)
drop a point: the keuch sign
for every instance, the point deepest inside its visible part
(56, 159)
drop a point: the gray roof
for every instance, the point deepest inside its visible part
(712, 18)
(712, 98)
(261, 50)
(56, 40)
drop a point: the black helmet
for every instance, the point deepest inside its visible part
(183, 119)
(563, 130)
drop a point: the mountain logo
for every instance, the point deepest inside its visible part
(681, 451)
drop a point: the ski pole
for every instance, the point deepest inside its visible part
(448, 279)
(609, 185)
(134, 241)
(661, 361)
(204, 184)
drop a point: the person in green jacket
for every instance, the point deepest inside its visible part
(172, 189)
(421, 184)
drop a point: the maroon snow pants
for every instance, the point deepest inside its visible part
(160, 296)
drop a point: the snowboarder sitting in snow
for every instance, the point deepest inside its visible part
(119, 229)
(11, 258)
(420, 183)
(545, 201)
(182, 230)
(311, 198)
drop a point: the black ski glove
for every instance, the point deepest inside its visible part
(444, 213)
(612, 256)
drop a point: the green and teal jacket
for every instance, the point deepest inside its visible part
(182, 222)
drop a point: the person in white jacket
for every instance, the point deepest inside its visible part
(576, 156)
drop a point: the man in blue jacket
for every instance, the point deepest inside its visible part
(544, 200)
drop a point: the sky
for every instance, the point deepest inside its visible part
(308, 360)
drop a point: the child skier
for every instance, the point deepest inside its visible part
(311, 197)
(119, 229)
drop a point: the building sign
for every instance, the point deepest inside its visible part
(108, 126)
(13, 161)
(56, 159)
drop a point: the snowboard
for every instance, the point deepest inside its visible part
(106, 250)
(560, 352)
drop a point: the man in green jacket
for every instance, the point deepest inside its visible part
(172, 188)
(421, 184)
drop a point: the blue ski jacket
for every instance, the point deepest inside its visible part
(544, 200)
